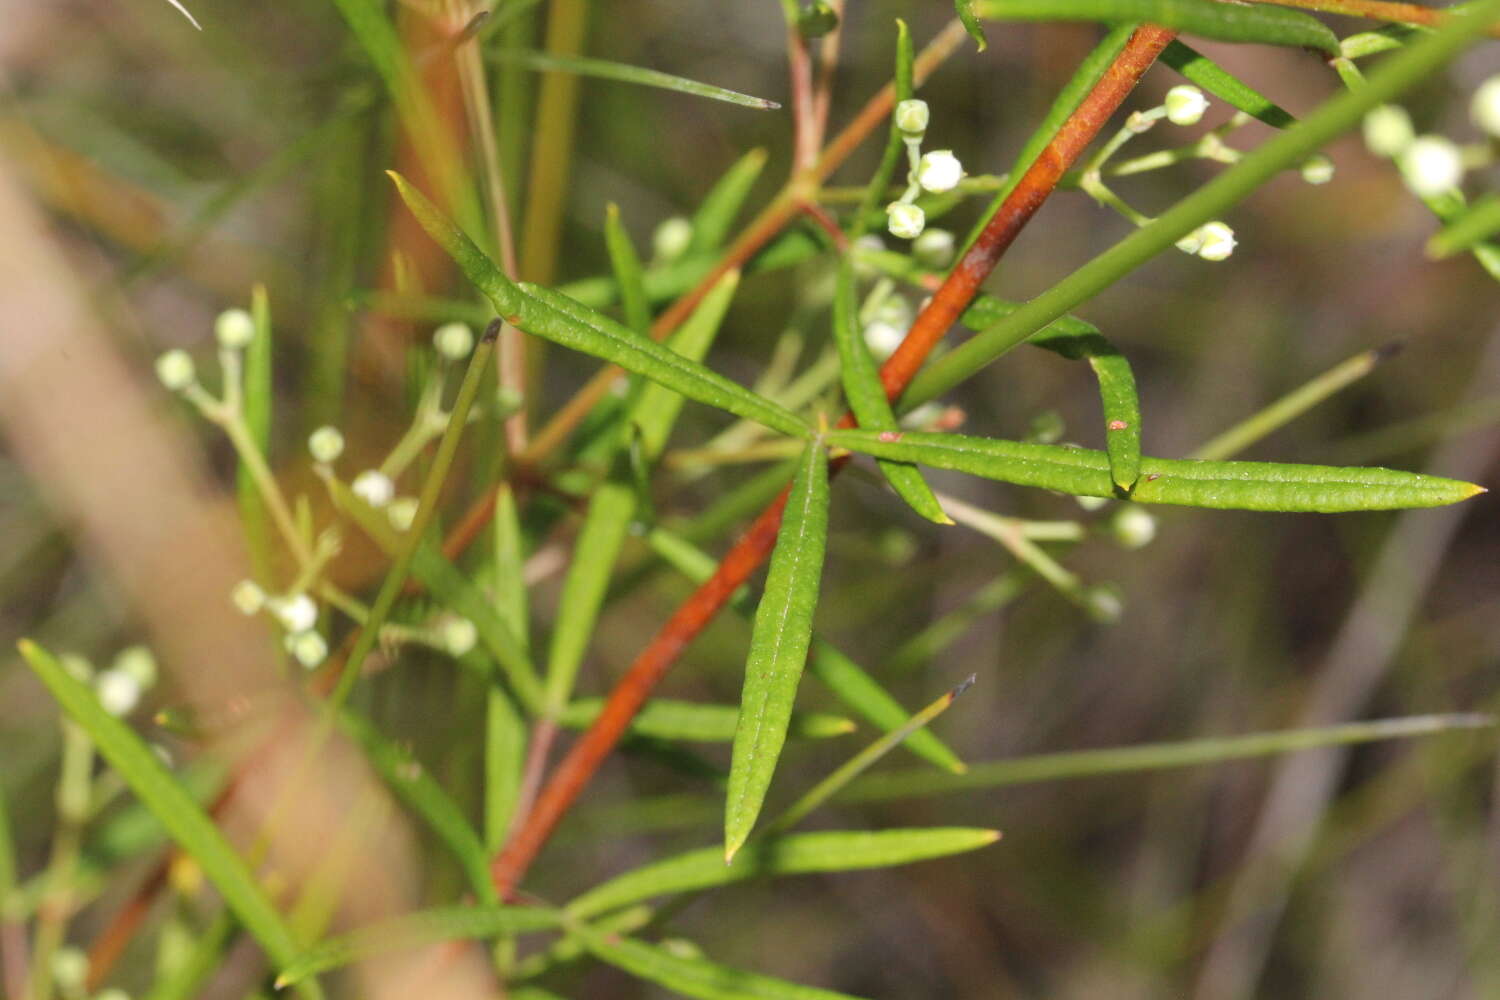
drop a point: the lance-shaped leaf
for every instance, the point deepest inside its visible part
(173, 806)
(1224, 85)
(793, 854)
(666, 719)
(629, 275)
(1208, 18)
(1267, 486)
(778, 646)
(458, 923)
(965, 11)
(604, 69)
(867, 398)
(721, 206)
(695, 977)
(569, 324)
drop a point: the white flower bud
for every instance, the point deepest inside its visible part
(883, 338)
(1132, 526)
(934, 248)
(459, 636)
(402, 512)
(939, 171)
(1317, 169)
(70, 967)
(325, 444)
(113, 993)
(78, 668)
(1388, 130)
(307, 648)
(248, 597)
(118, 692)
(895, 310)
(175, 369)
(1484, 107)
(1103, 604)
(905, 220)
(1185, 104)
(671, 238)
(453, 341)
(373, 487)
(234, 329)
(1432, 165)
(296, 612)
(1090, 503)
(137, 662)
(912, 116)
(1218, 241)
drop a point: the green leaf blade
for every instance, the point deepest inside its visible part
(970, 20)
(604, 69)
(669, 719)
(778, 646)
(696, 977)
(1224, 85)
(715, 216)
(1256, 23)
(629, 274)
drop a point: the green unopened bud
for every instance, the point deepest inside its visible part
(912, 116)
(939, 171)
(459, 636)
(1185, 105)
(1104, 603)
(1132, 526)
(118, 692)
(234, 329)
(175, 369)
(905, 220)
(248, 597)
(1317, 169)
(1218, 241)
(1432, 165)
(137, 662)
(934, 248)
(325, 444)
(70, 967)
(817, 19)
(1388, 130)
(670, 239)
(373, 487)
(1484, 106)
(307, 648)
(453, 341)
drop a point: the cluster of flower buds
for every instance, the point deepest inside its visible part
(934, 172)
(297, 614)
(1433, 165)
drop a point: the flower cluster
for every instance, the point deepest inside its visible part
(935, 172)
(1434, 165)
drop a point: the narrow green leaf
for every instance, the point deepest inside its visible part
(866, 396)
(604, 69)
(1117, 393)
(1382, 39)
(915, 783)
(778, 646)
(414, 930)
(1224, 85)
(188, 979)
(256, 403)
(695, 977)
(626, 265)
(970, 20)
(173, 806)
(1257, 23)
(1265, 486)
(667, 719)
(792, 854)
(1474, 225)
(715, 215)
(505, 739)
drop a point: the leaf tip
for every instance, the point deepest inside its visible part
(992, 836)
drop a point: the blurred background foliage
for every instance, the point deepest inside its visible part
(182, 167)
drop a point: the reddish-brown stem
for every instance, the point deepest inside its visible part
(827, 223)
(805, 142)
(962, 284)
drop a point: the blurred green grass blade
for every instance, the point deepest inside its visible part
(565, 322)
(925, 645)
(848, 681)
(970, 20)
(182, 817)
(895, 148)
(1078, 87)
(1117, 395)
(791, 854)
(914, 783)
(604, 69)
(187, 980)
(1474, 225)
(511, 598)
(1402, 70)
(1264, 486)
(406, 777)
(505, 734)
(714, 219)
(866, 396)
(778, 646)
(505, 14)
(1263, 24)
(257, 403)
(695, 977)
(1382, 39)
(669, 719)
(424, 927)
(626, 265)
(1224, 85)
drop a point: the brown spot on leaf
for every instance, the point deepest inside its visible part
(1118, 425)
(890, 435)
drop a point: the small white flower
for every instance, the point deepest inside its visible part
(454, 341)
(1388, 130)
(402, 512)
(1432, 165)
(373, 487)
(934, 248)
(307, 648)
(1484, 107)
(670, 239)
(118, 692)
(296, 612)
(325, 444)
(1185, 105)
(70, 967)
(905, 220)
(1218, 241)
(234, 329)
(248, 597)
(137, 662)
(1317, 169)
(939, 171)
(912, 116)
(459, 636)
(175, 369)
(883, 338)
(1103, 604)
(1133, 527)
(1091, 503)
(895, 310)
